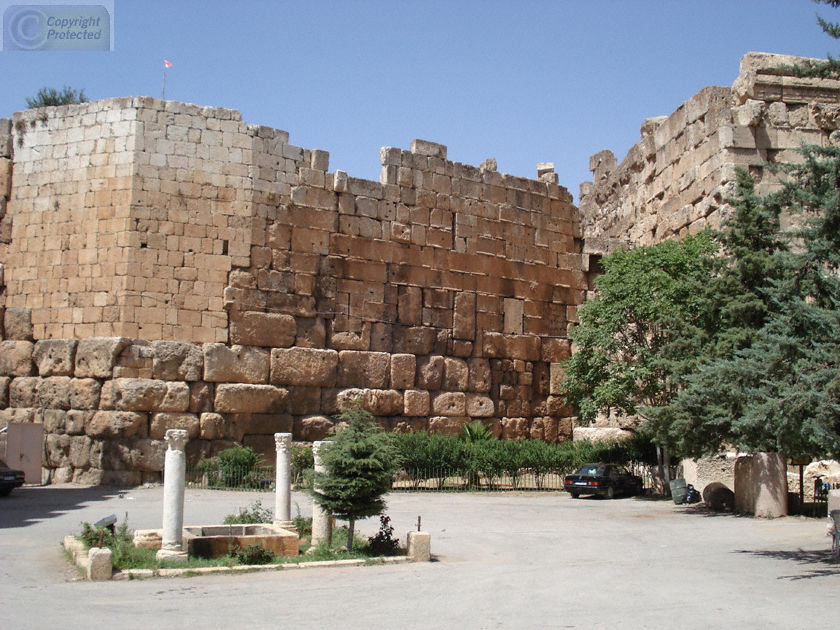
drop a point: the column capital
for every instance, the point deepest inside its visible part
(176, 439)
(283, 442)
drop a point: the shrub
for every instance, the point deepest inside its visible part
(252, 554)
(256, 513)
(384, 543)
(303, 465)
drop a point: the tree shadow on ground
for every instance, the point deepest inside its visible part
(819, 563)
(29, 505)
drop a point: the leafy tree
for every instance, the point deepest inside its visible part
(635, 340)
(49, 97)
(360, 461)
(776, 389)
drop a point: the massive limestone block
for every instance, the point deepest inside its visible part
(480, 378)
(235, 364)
(304, 366)
(144, 394)
(448, 425)
(335, 400)
(464, 316)
(17, 324)
(417, 402)
(95, 357)
(383, 402)
(212, 426)
(149, 454)
(363, 369)
(403, 370)
(84, 393)
(556, 350)
(177, 361)
(162, 422)
(201, 397)
(55, 357)
(79, 453)
(479, 406)
(16, 358)
(430, 372)
(76, 420)
(54, 420)
(449, 404)
(312, 428)
(117, 424)
(514, 428)
(418, 340)
(244, 424)
(54, 392)
(5, 381)
(243, 398)
(304, 400)
(23, 392)
(272, 330)
(761, 485)
(524, 347)
(311, 332)
(455, 374)
(56, 448)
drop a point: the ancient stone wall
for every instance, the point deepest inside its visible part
(169, 266)
(677, 179)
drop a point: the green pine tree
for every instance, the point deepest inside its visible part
(360, 462)
(768, 379)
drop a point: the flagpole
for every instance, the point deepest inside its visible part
(164, 81)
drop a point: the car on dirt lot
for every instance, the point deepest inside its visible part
(9, 479)
(604, 480)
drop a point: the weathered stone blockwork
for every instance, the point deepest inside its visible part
(677, 179)
(169, 266)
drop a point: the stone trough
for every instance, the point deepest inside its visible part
(214, 541)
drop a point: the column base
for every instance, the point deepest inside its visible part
(171, 555)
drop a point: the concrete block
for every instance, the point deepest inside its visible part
(100, 564)
(419, 546)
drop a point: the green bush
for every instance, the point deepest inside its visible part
(303, 465)
(252, 554)
(256, 513)
(483, 461)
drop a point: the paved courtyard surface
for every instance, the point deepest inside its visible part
(513, 560)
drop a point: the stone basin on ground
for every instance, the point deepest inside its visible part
(214, 541)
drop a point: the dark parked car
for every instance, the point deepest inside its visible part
(605, 480)
(9, 479)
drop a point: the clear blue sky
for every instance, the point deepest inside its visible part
(520, 81)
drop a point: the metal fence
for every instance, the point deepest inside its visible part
(427, 480)
(821, 490)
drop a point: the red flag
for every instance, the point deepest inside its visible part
(166, 64)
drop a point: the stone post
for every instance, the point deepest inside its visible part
(321, 519)
(283, 492)
(419, 546)
(174, 477)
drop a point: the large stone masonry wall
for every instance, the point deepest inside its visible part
(169, 266)
(677, 179)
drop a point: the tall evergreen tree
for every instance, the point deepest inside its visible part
(360, 461)
(769, 381)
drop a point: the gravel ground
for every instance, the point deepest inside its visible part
(502, 560)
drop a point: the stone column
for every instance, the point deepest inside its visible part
(321, 519)
(283, 492)
(174, 477)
